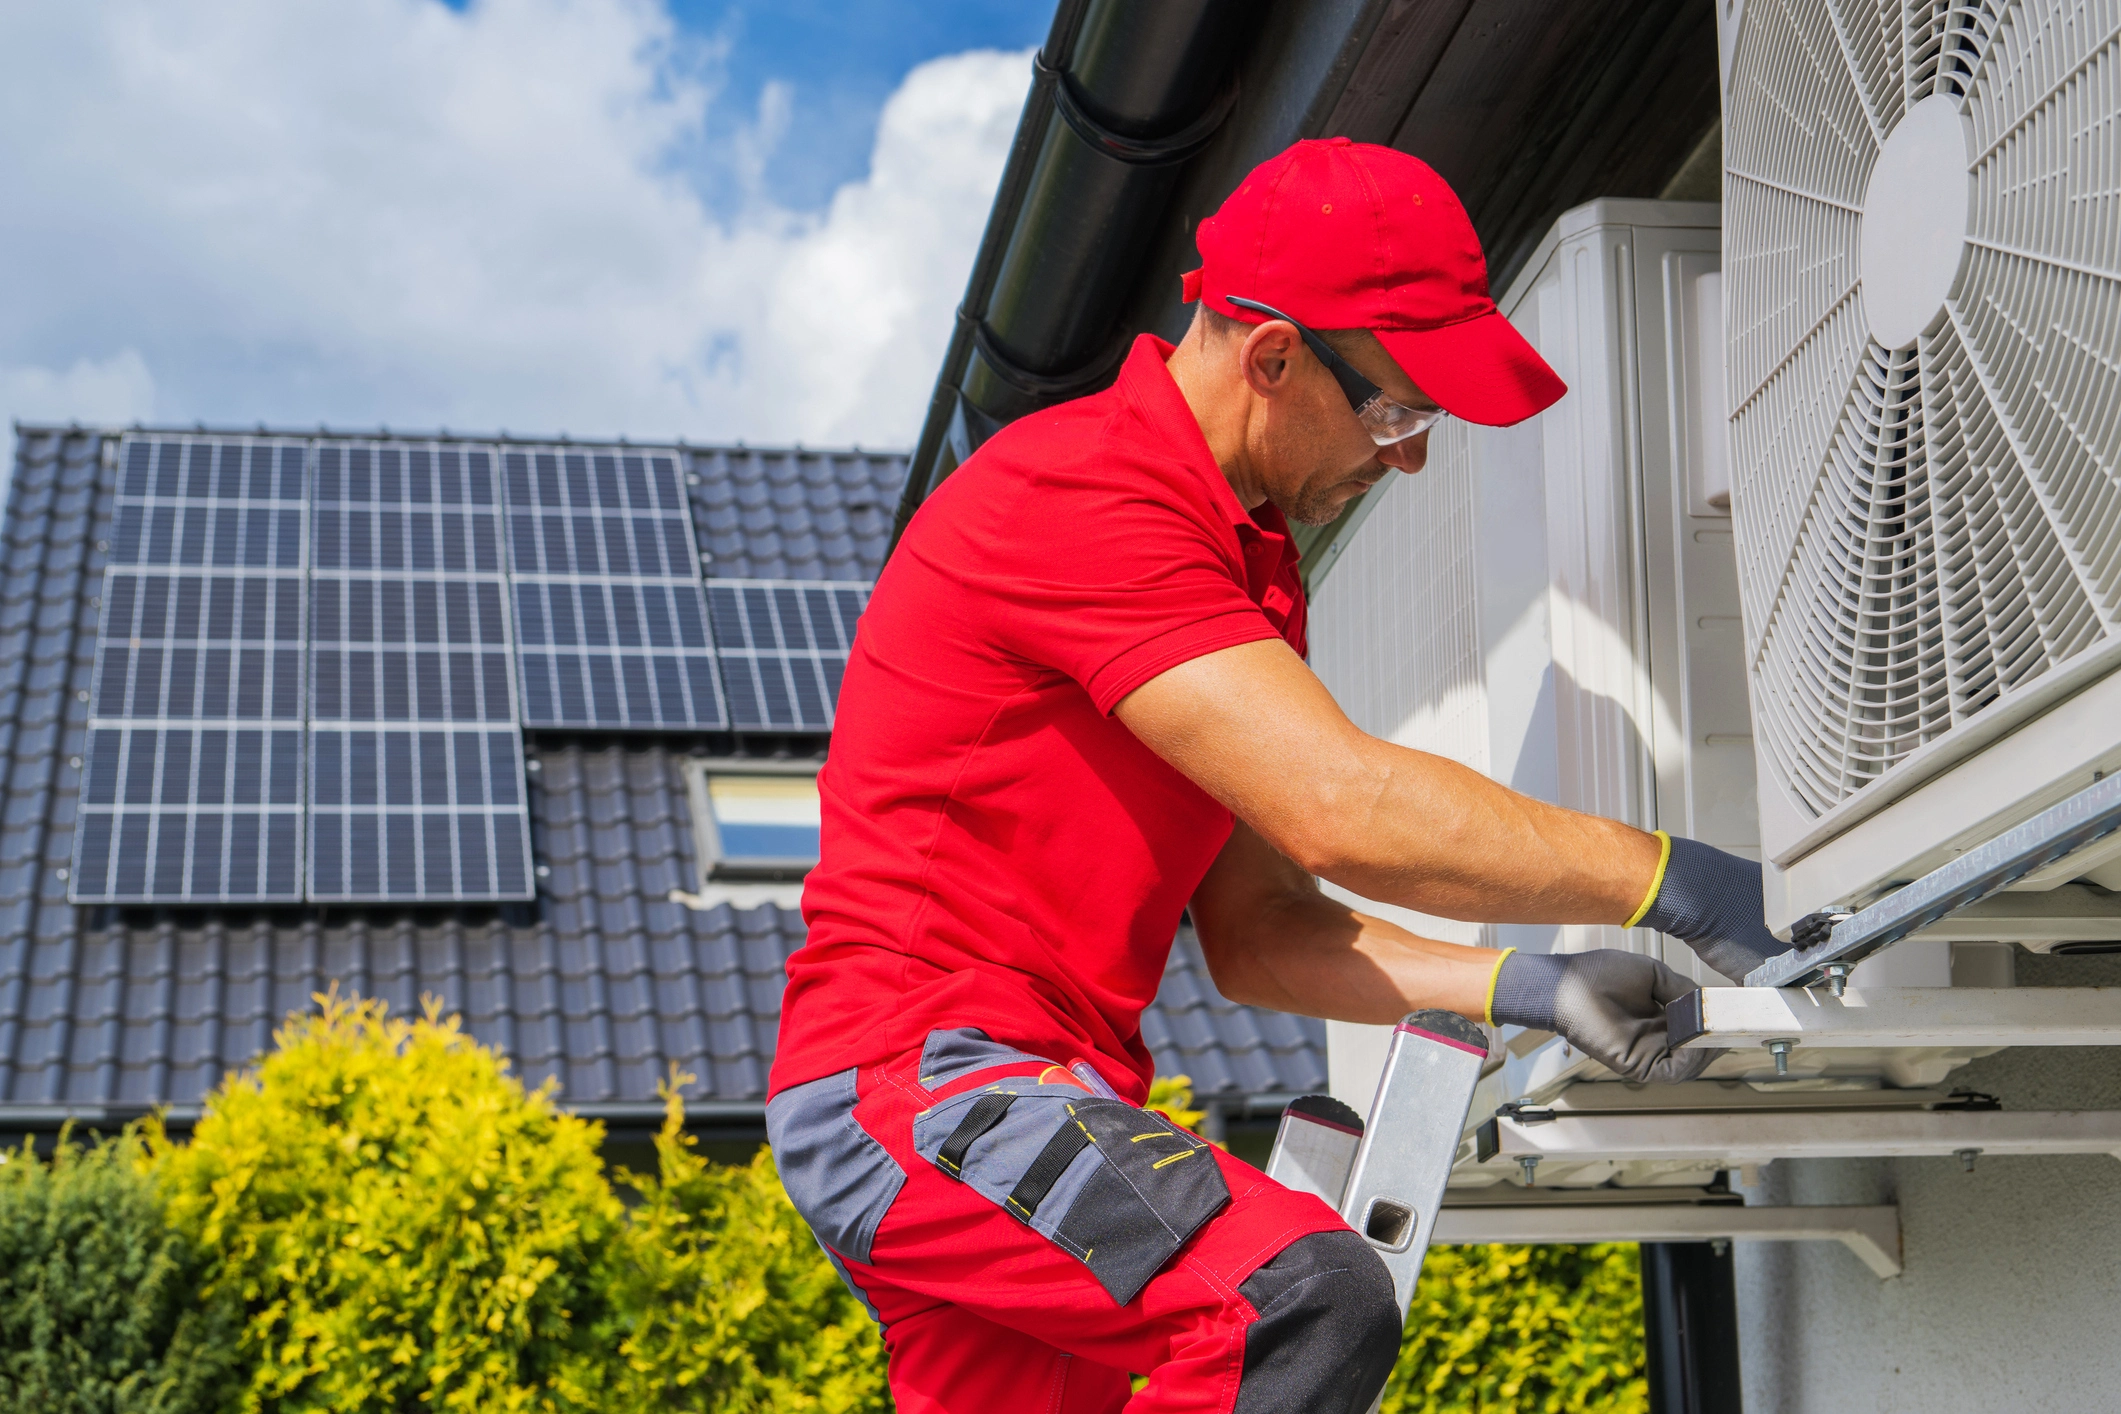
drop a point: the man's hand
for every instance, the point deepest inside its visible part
(1606, 1003)
(1711, 901)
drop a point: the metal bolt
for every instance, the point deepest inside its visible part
(1966, 1158)
(1837, 977)
(1529, 1163)
(544, 871)
(1780, 1049)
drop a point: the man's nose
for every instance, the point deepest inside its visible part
(1409, 456)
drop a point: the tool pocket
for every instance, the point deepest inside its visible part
(1120, 1189)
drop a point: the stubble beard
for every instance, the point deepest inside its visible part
(1318, 507)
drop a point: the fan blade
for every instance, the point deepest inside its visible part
(2042, 339)
(2014, 603)
(2043, 56)
(2046, 187)
(1791, 260)
(1779, 443)
(1793, 115)
(1870, 34)
(1945, 44)
(1862, 668)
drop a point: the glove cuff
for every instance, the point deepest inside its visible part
(1524, 989)
(1664, 861)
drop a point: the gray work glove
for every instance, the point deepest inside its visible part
(1711, 901)
(1606, 1003)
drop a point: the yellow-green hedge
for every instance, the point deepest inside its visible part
(381, 1218)
(1555, 1330)
(731, 1304)
(406, 1226)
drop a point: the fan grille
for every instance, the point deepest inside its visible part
(1922, 530)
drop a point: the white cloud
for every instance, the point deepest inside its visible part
(384, 211)
(115, 389)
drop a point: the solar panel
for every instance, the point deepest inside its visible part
(783, 648)
(416, 758)
(611, 624)
(192, 789)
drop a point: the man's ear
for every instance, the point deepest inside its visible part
(1266, 359)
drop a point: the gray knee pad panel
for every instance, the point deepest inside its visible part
(1328, 1329)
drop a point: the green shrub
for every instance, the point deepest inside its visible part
(405, 1226)
(730, 1303)
(98, 1308)
(379, 1218)
(1555, 1330)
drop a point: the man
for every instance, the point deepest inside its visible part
(1077, 706)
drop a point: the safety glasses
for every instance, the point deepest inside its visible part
(1387, 422)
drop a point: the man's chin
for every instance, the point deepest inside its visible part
(1327, 506)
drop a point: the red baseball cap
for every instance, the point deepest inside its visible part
(1349, 235)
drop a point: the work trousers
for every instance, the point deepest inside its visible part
(1026, 1244)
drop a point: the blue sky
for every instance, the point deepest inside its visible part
(842, 59)
(721, 219)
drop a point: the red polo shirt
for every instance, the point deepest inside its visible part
(998, 850)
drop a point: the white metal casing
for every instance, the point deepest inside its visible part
(1925, 383)
(1555, 604)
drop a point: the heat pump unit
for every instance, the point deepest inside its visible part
(1922, 250)
(1556, 604)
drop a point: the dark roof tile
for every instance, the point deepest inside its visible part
(604, 984)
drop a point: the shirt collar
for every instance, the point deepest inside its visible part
(1146, 382)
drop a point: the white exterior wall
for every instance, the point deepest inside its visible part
(1554, 604)
(2011, 1301)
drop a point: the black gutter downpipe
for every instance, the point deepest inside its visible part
(1139, 89)
(1690, 1328)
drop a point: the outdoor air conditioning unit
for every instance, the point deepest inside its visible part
(1923, 244)
(1556, 604)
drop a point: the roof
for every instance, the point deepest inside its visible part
(603, 984)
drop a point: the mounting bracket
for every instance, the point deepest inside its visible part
(2089, 815)
(1761, 1136)
(1871, 1232)
(1734, 1017)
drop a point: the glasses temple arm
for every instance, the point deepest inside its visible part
(1359, 390)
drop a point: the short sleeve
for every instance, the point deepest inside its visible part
(1149, 582)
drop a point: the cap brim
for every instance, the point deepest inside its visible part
(1480, 369)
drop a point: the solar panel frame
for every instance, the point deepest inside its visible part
(192, 785)
(415, 741)
(611, 619)
(783, 647)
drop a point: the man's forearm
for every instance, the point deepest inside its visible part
(1254, 727)
(1438, 837)
(1273, 940)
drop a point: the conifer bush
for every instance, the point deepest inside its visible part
(99, 1305)
(405, 1225)
(378, 1217)
(1527, 1330)
(730, 1305)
